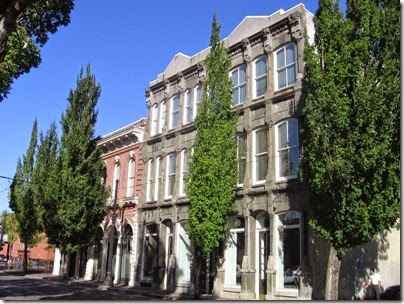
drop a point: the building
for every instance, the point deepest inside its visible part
(269, 233)
(122, 156)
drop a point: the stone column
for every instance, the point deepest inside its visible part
(305, 282)
(57, 262)
(89, 275)
(271, 278)
(133, 262)
(118, 260)
(247, 280)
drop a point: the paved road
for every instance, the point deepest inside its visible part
(22, 288)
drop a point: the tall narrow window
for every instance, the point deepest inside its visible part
(170, 174)
(285, 66)
(260, 152)
(175, 111)
(234, 251)
(117, 174)
(150, 181)
(158, 178)
(183, 254)
(188, 107)
(288, 249)
(241, 156)
(197, 99)
(287, 148)
(184, 170)
(154, 119)
(162, 116)
(238, 76)
(260, 76)
(131, 178)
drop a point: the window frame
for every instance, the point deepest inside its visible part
(131, 177)
(260, 77)
(170, 176)
(162, 116)
(150, 180)
(183, 170)
(241, 157)
(187, 115)
(238, 86)
(175, 111)
(285, 67)
(288, 148)
(256, 156)
(196, 99)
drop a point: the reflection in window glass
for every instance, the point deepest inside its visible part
(234, 251)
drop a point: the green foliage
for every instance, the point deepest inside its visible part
(351, 158)
(24, 29)
(22, 196)
(213, 166)
(78, 192)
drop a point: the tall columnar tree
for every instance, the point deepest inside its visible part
(80, 197)
(45, 178)
(351, 134)
(22, 196)
(213, 165)
(25, 26)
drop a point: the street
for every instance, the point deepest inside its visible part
(22, 288)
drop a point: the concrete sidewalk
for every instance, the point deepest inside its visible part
(137, 290)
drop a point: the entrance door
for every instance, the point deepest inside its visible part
(263, 240)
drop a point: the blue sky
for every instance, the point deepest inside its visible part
(127, 43)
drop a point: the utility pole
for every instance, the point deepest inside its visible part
(108, 280)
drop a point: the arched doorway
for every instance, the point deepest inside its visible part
(126, 253)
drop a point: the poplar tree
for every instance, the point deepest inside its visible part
(351, 133)
(79, 195)
(213, 165)
(45, 176)
(22, 196)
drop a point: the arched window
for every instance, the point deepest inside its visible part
(239, 79)
(131, 177)
(285, 66)
(260, 76)
(287, 149)
(184, 170)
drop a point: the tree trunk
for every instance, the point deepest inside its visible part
(24, 266)
(333, 267)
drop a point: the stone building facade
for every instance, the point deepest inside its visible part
(268, 237)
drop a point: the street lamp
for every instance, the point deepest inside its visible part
(108, 279)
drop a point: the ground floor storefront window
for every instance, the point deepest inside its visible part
(234, 251)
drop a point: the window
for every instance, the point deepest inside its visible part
(162, 116)
(285, 66)
(149, 250)
(131, 178)
(287, 149)
(158, 178)
(260, 153)
(239, 78)
(175, 111)
(260, 76)
(154, 120)
(187, 107)
(150, 181)
(197, 99)
(183, 255)
(117, 174)
(184, 170)
(241, 156)
(170, 174)
(288, 249)
(234, 251)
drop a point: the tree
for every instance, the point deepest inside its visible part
(22, 196)
(350, 138)
(46, 178)
(79, 196)
(213, 165)
(25, 26)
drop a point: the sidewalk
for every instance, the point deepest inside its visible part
(137, 290)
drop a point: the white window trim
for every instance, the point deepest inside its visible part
(254, 87)
(187, 107)
(154, 120)
(172, 112)
(196, 101)
(157, 179)
(168, 174)
(162, 116)
(149, 179)
(254, 155)
(241, 158)
(131, 177)
(277, 157)
(184, 171)
(117, 175)
(239, 85)
(276, 66)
